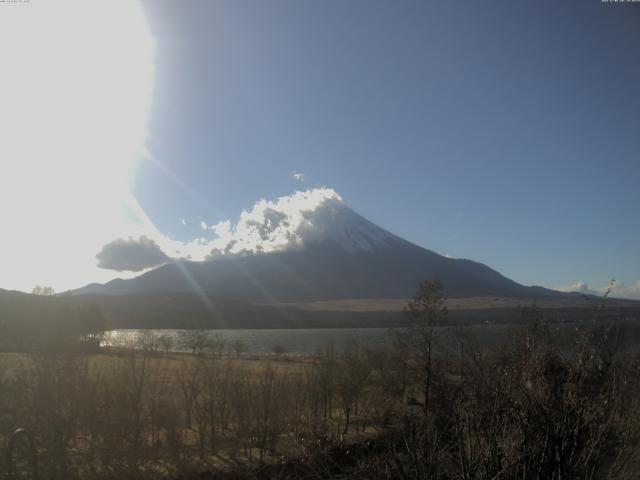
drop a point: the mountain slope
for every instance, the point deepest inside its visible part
(343, 256)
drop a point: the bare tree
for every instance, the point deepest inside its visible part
(195, 340)
(148, 341)
(212, 407)
(216, 344)
(352, 377)
(426, 312)
(166, 341)
(239, 347)
(46, 291)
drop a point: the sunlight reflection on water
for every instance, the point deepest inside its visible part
(260, 341)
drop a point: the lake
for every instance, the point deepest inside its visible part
(299, 341)
(309, 341)
(260, 341)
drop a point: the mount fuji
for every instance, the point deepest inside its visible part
(322, 252)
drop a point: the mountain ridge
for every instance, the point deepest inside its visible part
(343, 256)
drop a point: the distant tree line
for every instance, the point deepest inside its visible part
(43, 320)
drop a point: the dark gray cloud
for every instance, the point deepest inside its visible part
(131, 255)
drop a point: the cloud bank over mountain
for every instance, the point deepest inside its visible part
(287, 222)
(268, 226)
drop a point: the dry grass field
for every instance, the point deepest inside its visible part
(517, 408)
(140, 413)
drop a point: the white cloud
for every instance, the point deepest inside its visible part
(297, 176)
(273, 225)
(203, 225)
(183, 222)
(222, 229)
(224, 238)
(579, 287)
(618, 290)
(622, 290)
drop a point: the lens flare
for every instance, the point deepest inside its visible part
(76, 93)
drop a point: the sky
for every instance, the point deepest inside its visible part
(503, 132)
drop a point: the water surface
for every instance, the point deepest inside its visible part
(259, 341)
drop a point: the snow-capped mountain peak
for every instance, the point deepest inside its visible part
(296, 221)
(335, 222)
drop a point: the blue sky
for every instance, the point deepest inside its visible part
(505, 132)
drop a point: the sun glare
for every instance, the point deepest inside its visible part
(77, 80)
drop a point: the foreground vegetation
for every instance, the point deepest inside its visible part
(525, 411)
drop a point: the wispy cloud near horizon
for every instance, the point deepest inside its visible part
(618, 289)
